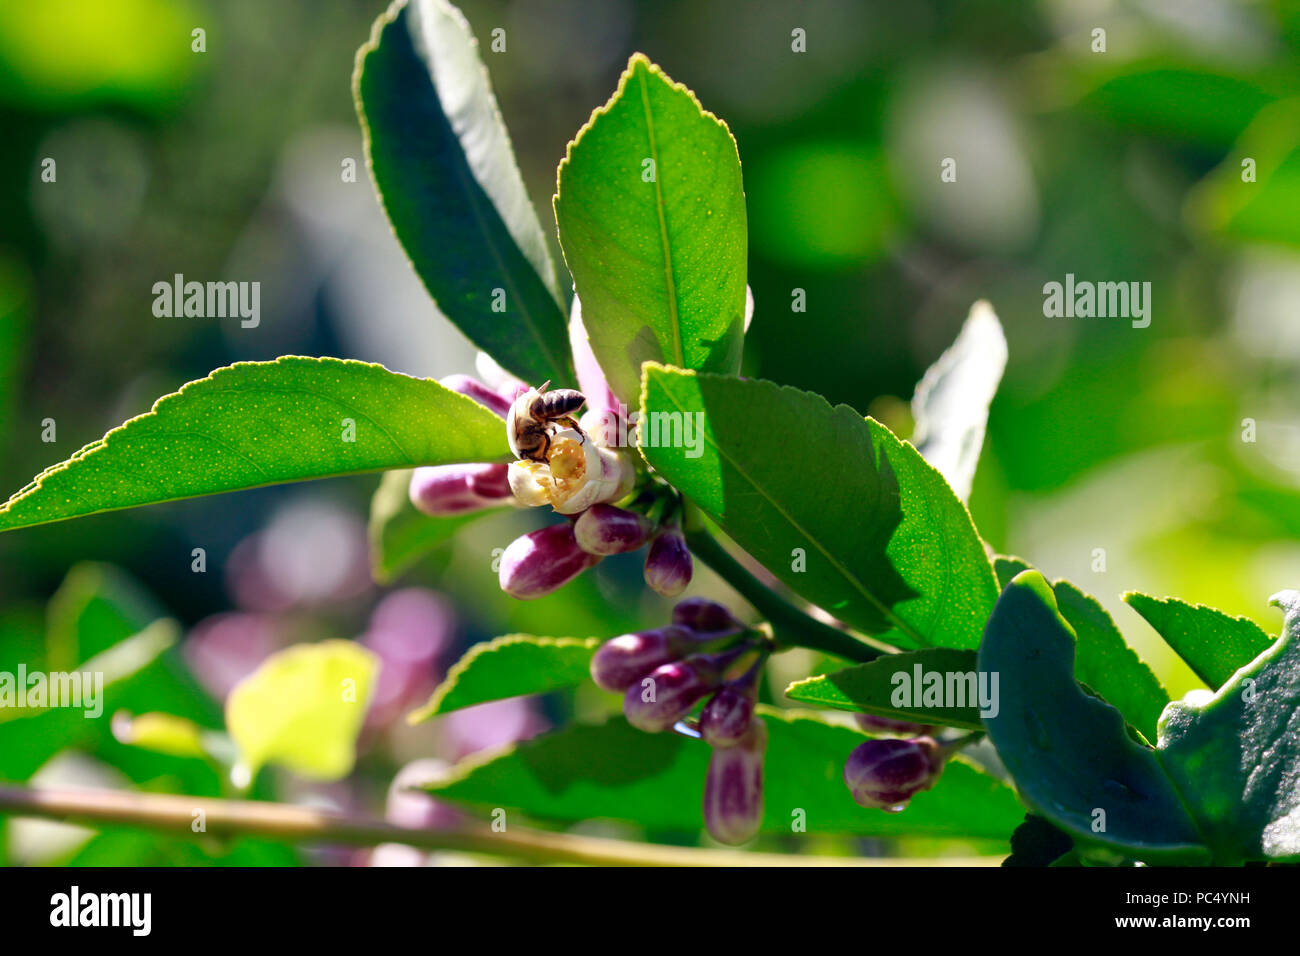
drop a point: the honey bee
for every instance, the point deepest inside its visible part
(529, 425)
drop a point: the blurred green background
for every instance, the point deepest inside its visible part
(1163, 459)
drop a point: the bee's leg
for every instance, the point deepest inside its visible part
(546, 446)
(572, 423)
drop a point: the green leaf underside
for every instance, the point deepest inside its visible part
(1105, 662)
(1236, 758)
(612, 771)
(888, 547)
(510, 666)
(400, 534)
(660, 265)
(263, 423)
(871, 687)
(951, 404)
(1067, 751)
(446, 175)
(1214, 645)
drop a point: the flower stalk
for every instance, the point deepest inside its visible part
(791, 626)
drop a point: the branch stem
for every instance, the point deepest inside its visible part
(299, 824)
(793, 628)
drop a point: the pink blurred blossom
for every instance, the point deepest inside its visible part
(224, 649)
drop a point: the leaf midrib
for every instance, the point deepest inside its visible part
(665, 245)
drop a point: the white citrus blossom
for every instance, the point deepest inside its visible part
(577, 474)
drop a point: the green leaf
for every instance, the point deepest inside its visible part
(1176, 98)
(887, 545)
(400, 534)
(95, 607)
(1037, 843)
(510, 667)
(615, 772)
(1067, 751)
(262, 423)
(446, 175)
(1006, 567)
(951, 404)
(1235, 756)
(1106, 663)
(26, 743)
(303, 708)
(652, 222)
(1215, 645)
(873, 687)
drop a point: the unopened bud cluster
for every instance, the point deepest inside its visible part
(664, 673)
(571, 469)
(574, 472)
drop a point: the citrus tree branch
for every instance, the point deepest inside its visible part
(298, 824)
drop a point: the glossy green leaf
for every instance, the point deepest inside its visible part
(446, 175)
(1067, 751)
(652, 223)
(510, 667)
(892, 687)
(1215, 645)
(1105, 662)
(303, 708)
(613, 771)
(263, 423)
(833, 504)
(400, 534)
(1235, 757)
(951, 404)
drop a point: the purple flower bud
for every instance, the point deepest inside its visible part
(537, 563)
(622, 661)
(604, 529)
(875, 724)
(442, 490)
(726, 718)
(473, 388)
(667, 693)
(668, 566)
(705, 616)
(733, 789)
(885, 773)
